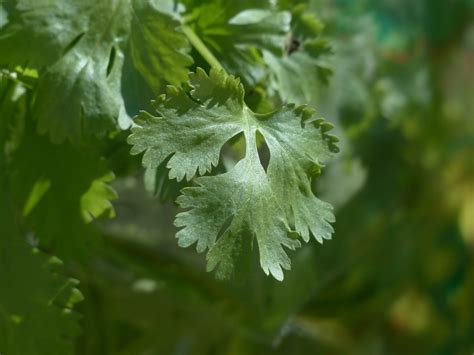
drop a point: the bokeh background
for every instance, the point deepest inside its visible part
(398, 276)
(396, 78)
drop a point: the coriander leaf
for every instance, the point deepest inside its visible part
(96, 201)
(243, 196)
(56, 208)
(225, 213)
(200, 149)
(79, 49)
(79, 43)
(236, 34)
(157, 44)
(298, 76)
(38, 31)
(35, 302)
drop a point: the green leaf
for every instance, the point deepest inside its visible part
(236, 34)
(52, 24)
(96, 201)
(297, 77)
(157, 44)
(80, 48)
(35, 301)
(79, 91)
(225, 213)
(58, 208)
(298, 74)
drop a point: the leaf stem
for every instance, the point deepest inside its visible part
(201, 47)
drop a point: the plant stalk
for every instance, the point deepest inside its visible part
(201, 47)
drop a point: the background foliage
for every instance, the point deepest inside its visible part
(88, 259)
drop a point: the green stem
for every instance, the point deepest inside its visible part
(201, 47)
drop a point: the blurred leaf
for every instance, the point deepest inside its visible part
(234, 31)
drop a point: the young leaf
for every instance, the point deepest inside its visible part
(225, 213)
